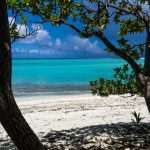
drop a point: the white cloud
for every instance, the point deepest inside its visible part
(84, 44)
(33, 51)
(43, 44)
(11, 20)
(22, 29)
(40, 38)
(58, 42)
(43, 40)
(18, 50)
(73, 46)
(76, 47)
(36, 26)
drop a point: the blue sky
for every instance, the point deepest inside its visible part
(61, 42)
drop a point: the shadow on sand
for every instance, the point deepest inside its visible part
(117, 136)
(113, 136)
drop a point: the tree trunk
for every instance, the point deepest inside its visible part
(147, 93)
(10, 116)
(147, 57)
(147, 72)
(15, 124)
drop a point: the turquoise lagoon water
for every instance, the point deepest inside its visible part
(37, 76)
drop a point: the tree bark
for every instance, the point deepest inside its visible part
(147, 72)
(147, 57)
(11, 117)
(147, 93)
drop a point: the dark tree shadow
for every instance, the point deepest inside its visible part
(109, 136)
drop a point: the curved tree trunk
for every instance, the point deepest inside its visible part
(10, 116)
(147, 93)
(147, 72)
(15, 124)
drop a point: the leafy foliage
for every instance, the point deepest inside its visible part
(125, 82)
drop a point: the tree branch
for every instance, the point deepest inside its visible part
(125, 56)
(136, 45)
(121, 53)
(72, 26)
(118, 52)
(135, 13)
(19, 36)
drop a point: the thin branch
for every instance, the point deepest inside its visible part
(19, 36)
(72, 26)
(13, 20)
(135, 13)
(135, 45)
(126, 11)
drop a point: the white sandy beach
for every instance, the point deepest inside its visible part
(46, 113)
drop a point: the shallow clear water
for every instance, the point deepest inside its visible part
(60, 75)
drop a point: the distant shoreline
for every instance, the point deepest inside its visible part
(74, 58)
(26, 90)
(71, 58)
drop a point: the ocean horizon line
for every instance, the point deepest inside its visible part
(73, 58)
(70, 58)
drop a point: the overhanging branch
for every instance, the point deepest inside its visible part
(119, 52)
